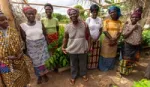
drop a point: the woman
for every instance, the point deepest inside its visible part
(95, 27)
(33, 34)
(51, 25)
(132, 34)
(112, 29)
(13, 69)
(77, 46)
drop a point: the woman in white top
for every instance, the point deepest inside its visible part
(36, 46)
(95, 27)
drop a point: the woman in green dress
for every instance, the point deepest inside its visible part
(51, 25)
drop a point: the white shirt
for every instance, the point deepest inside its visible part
(34, 32)
(94, 26)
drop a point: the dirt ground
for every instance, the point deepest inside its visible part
(96, 77)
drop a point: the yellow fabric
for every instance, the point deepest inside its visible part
(50, 25)
(113, 28)
(11, 46)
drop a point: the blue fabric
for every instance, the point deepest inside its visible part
(106, 64)
(112, 8)
(4, 68)
(39, 69)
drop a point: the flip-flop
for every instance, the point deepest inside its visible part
(39, 80)
(85, 78)
(72, 81)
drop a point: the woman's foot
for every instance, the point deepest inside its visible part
(85, 78)
(39, 80)
(72, 81)
(45, 77)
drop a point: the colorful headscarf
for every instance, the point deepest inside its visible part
(117, 9)
(25, 9)
(137, 13)
(70, 9)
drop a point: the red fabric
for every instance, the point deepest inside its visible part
(70, 9)
(52, 37)
(86, 31)
(137, 13)
(25, 9)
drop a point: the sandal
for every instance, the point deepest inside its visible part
(39, 80)
(72, 81)
(45, 77)
(85, 78)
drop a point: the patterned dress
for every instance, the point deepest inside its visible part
(131, 48)
(36, 46)
(14, 73)
(94, 27)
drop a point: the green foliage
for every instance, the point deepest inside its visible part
(146, 37)
(82, 11)
(61, 35)
(61, 18)
(59, 59)
(142, 83)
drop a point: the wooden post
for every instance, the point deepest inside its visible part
(6, 9)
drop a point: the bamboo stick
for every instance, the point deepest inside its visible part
(38, 4)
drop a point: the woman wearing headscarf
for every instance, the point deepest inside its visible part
(13, 68)
(132, 33)
(76, 45)
(52, 27)
(33, 34)
(95, 27)
(112, 28)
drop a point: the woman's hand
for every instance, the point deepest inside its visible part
(113, 42)
(20, 55)
(64, 50)
(12, 57)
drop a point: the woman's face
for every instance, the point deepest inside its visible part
(94, 14)
(48, 10)
(3, 22)
(113, 14)
(30, 14)
(73, 15)
(134, 19)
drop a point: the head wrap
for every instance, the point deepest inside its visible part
(70, 9)
(25, 9)
(115, 8)
(94, 7)
(138, 12)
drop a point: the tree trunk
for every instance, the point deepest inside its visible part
(6, 9)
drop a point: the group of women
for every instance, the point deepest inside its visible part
(80, 38)
(13, 53)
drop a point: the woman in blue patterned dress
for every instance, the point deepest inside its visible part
(36, 46)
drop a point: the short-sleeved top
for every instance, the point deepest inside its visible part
(113, 27)
(135, 38)
(94, 26)
(34, 32)
(77, 43)
(50, 25)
